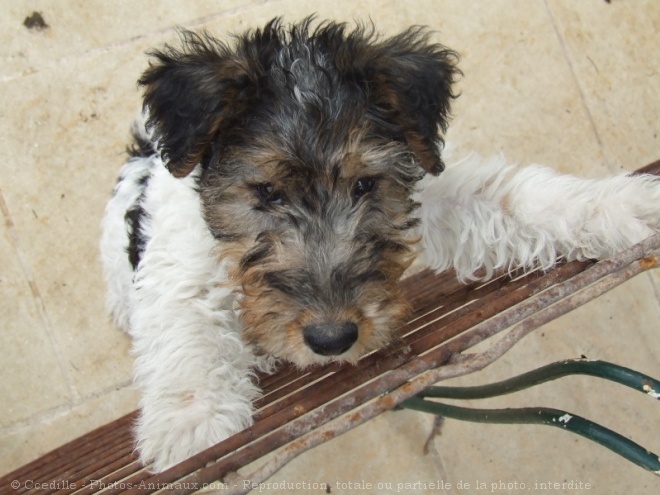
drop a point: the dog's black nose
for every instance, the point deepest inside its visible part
(330, 339)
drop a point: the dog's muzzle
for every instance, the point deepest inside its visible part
(330, 339)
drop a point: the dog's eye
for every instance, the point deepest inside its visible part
(363, 186)
(268, 194)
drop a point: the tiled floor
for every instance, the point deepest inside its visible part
(575, 85)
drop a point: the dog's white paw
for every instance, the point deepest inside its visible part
(178, 427)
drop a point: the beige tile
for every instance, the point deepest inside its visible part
(77, 27)
(620, 327)
(66, 131)
(32, 379)
(655, 277)
(20, 445)
(518, 94)
(613, 49)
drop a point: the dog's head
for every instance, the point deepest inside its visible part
(311, 142)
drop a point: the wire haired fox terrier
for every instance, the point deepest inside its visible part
(279, 186)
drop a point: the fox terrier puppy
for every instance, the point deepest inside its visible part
(278, 188)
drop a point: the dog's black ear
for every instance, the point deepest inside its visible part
(190, 93)
(410, 83)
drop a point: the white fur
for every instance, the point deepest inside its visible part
(194, 371)
(117, 270)
(486, 214)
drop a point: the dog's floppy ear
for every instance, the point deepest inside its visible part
(190, 92)
(410, 84)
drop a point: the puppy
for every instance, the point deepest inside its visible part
(279, 186)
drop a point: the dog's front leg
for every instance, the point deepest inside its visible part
(193, 370)
(195, 377)
(483, 214)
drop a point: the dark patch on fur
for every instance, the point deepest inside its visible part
(256, 255)
(134, 217)
(139, 147)
(136, 242)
